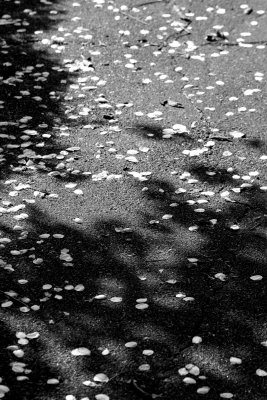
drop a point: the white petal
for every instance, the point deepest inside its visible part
(81, 351)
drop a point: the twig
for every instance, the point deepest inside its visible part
(221, 43)
(13, 298)
(176, 35)
(140, 390)
(222, 138)
(115, 376)
(148, 3)
(256, 225)
(132, 17)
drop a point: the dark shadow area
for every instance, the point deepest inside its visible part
(97, 261)
(232, 304)
(116, 267)
(32, 84)
(205, 174)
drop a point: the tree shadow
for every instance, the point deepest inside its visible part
(226, 277)
(33, 82)
(84, 287)
(206, 174)
(101, 263)
(212, 297)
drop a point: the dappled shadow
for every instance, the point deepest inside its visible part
(32, 82)
(88, 282)
(109, 264)
(220, 276)
(184, 273)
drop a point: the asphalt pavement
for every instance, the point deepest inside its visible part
(133, 200)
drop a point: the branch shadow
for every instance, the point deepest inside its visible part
(82, 287)
(33, 82)
(226, 277)
(88, 282)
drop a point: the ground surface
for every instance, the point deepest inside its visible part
(132, 239)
